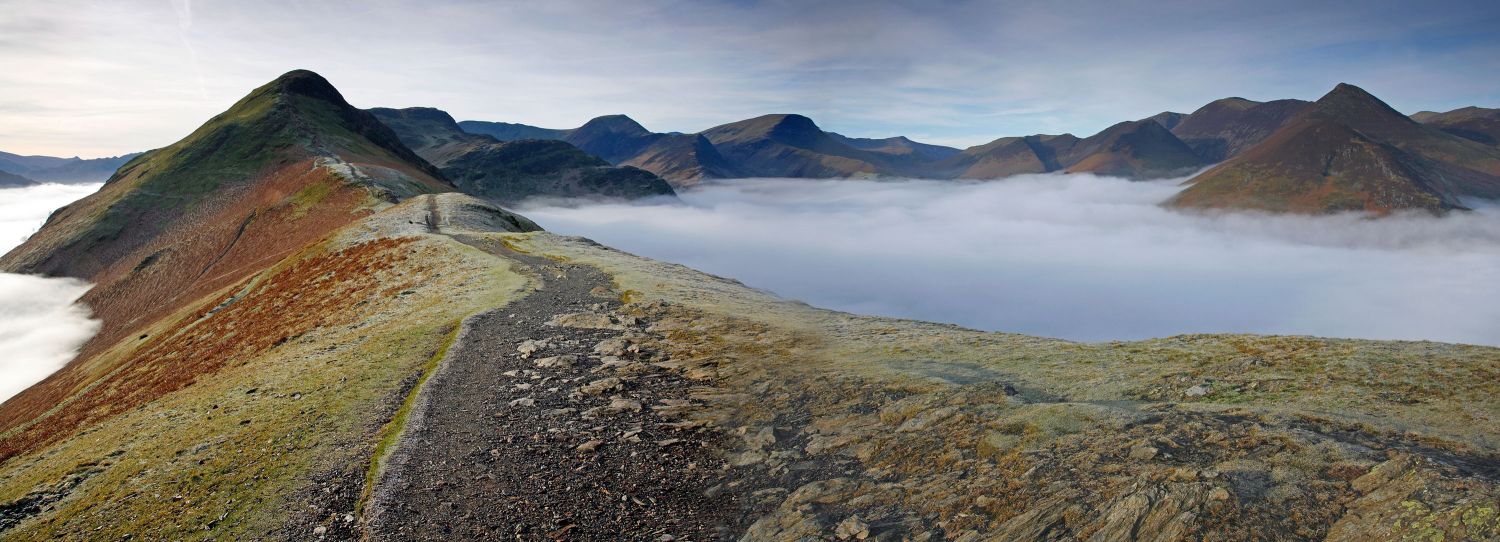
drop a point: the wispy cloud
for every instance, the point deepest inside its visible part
(962, 72)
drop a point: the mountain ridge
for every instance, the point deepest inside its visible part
(1349, 151)
(509, 172)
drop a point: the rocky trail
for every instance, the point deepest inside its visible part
(547, 422)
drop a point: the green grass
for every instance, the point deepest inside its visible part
(390, 434)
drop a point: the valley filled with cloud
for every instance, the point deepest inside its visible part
(1077, 256)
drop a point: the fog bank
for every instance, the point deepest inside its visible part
(1075, 256)
(41, 326)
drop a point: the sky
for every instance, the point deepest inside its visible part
(1071, 256)
(101, 78)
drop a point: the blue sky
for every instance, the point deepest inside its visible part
(104, 78)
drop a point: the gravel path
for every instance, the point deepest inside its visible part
(537, 431)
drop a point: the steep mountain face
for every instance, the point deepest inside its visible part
(1350, 151)
(1473, 123)
(684, 160)
(1225, 128)
(505, 131)
(62, 170)
(11, 180)
(898, 146)
(512, 171)
(285, 165)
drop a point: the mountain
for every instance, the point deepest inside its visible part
(505, 131)
(62, 170)
(615, 138)
(512, 171)
(681, 159)
(1225, 128)
(1007, 156)
(284, 166)
(897, 146)
(1167, 119)
(1142, 149)
(684, 160)
(770, 145)
(11, 180)
(1472, 123)
(1349, 151)
(787, 145)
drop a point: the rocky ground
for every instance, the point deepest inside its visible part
(548, 421)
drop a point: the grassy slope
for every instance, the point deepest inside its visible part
(229, 449)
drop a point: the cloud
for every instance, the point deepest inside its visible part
(958, 72)
(1075, 256)
(22, 210)
(41, 328)
(41, 325)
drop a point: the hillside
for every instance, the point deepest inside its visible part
(1350, 152)
(1141, 149)
(897, 146)
(505, 131)
(1225, 128)
(684, 160)
(283, 167)
(1473, 123)
(510, 172)
(11, 180)
(544, 386)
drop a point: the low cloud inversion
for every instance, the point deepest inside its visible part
(1075, 256)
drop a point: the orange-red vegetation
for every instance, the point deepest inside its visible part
(317, 291)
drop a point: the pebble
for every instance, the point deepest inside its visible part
(1142, 452)
(557, 362)
(621, 404)
(602, 385)
(852, 528)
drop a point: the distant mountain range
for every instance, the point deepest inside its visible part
(39, 169)
(1362, 155)
(1346, 151)
(511, 171)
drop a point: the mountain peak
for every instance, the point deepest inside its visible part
(1358, 108)
(306, 83)
(1346, 91)
(614, 123)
